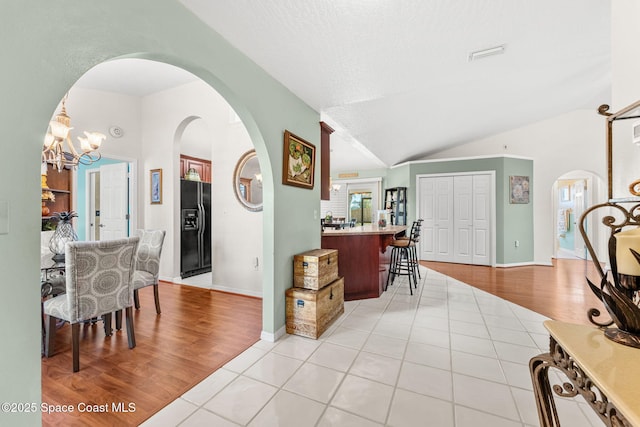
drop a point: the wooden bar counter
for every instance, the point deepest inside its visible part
(363, 257)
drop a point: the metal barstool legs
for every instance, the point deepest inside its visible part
(398, 267)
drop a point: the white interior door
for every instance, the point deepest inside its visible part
(482, 209)
(457, 213)
(114, 201)
(436, 210)
(427, 209)
(579, 200)
(444, 218)
(463, 218)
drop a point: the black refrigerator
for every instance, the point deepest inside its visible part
(195, 239)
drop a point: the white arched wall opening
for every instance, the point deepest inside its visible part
(236, 233)
(568, 202)
(171, 179)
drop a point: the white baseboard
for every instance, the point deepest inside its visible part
(268, 336)
(521, 264)
(179, 281)
(249, 293)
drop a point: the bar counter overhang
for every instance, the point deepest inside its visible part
(363, 257)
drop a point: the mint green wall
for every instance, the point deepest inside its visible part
(47, 46)
(81, 194)
(518, 218)
(513, 222)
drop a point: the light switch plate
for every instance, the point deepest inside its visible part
(4, 217)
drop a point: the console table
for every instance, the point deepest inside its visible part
(605, 373)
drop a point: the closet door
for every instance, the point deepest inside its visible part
(427, 209)
(436, 209)
(457, 213)
(444, 218)
(482, 205)
(463, 219)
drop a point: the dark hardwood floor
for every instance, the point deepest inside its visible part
(198, 332)
(559, 292)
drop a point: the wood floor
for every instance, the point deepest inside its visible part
(559, 292)
(198, 331)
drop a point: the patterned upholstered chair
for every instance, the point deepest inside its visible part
(148, 264)
(98, 282)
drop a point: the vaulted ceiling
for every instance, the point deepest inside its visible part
(393, 77)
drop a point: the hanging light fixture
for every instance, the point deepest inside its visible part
(58, 148)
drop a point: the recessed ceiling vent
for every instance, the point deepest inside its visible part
(479, 54)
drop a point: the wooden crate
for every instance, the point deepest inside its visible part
(310, 312)
(315, 269)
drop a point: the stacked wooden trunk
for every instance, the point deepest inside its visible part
(317, 296)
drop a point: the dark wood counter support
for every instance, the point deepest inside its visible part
(363, 258)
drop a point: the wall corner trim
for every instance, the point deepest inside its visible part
(268, 336)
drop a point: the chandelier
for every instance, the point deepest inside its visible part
(58, 148)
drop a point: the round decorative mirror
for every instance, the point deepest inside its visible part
(247, 181)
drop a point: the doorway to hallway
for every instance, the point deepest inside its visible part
(571, 205)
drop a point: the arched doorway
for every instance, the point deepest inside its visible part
(573, 193)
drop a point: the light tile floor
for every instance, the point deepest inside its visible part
(449, 355)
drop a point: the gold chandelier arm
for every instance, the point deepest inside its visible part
(58, 148)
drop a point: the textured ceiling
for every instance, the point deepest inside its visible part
(393, 77)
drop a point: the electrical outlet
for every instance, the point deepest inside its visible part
(517, 243)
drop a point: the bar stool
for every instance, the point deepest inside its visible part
(404, 259)
(415, 231)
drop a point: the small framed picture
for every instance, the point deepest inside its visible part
(299, 159)
(156, 186)
(519, 189)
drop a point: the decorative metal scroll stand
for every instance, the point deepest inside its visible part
(620, 299)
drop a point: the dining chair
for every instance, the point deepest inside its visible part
(147, 268)
(98, 282)
(147, 265)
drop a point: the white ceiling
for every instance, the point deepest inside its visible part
(393, 77)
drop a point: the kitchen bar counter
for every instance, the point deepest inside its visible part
(363, 258)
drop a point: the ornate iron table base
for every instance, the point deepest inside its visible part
(579, 383)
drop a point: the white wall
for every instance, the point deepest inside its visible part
(151, 135)
(93, 110)
(572, 141)
(626, 90)
(236, 232)
(197, 140)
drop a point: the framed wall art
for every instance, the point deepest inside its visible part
(299, 161)
(519, 189)
(156, 186)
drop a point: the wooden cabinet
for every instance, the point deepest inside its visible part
(202, 166)
(395, 201)
(59, 184)
(325, 159)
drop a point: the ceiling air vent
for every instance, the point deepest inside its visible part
(479, 54)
